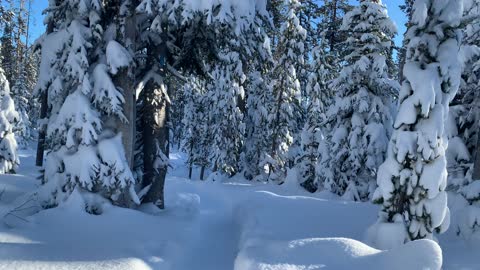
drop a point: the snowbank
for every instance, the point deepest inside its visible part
(337, 253)
(279, 232)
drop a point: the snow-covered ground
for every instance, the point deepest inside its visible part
(208, 226)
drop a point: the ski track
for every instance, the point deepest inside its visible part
(212, 241)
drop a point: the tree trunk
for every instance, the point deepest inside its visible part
(202, 173)
(155, 130)
(190, 168)
(125, 80)
(42, 133)
(332, 26)
(155, 133)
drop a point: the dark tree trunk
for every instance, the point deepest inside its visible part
(190, 168)
(202, 173)
(155, 133)
(42, 133)
(332, 26)
(155, 130)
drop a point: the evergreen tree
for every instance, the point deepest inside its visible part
(319, 98)
(227, 127)
(8, 47)
(86, 152)
(412, 180)
(8, 116)
(333, 12)
(360, 113)
(23, 99)
(195, 141)
(259, 101)
(286, 113)
(464, 153)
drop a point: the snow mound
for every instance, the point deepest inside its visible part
(337, 253)
(121, 264)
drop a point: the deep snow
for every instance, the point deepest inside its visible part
(209, 226)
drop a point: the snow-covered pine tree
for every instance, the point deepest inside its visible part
(412, 180)
(23, 99)
(8, 117)
(176, 112)
(14, 52)
(227, 127)
(463, 125)
(286, 112)
(259, 99)
(466, 112)
(7, 50)
(333, 12)
(259, 103)
(85, 154)
(407, 9)
(319, 97)
(309, 16)
(360, 115)
(195, 125)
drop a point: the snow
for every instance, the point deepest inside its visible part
(236, 225)
(117, 57)
(319, 253)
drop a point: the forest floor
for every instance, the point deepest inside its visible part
(233, 225)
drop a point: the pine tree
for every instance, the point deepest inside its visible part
(8, 47)
(8, 116)
(195, 140)
(360, 113)
(466, 113)
(228, 128)
(412, 180)
(23, 99)
(86, 152)
(286, 113)
(333, 12)
(407, 9)
(259, 100)
(319, 98)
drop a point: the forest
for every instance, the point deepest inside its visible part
(240, 134)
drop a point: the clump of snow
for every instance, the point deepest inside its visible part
(117, 57)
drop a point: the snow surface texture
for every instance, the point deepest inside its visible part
(208, 226)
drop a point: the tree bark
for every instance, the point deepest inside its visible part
(42, 133)
(332, 26)
(202, 173)
(155, 133)
(125, 80)
(155, 130)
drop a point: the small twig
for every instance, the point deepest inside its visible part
(7, 214)
(1, 193)
(21, 207)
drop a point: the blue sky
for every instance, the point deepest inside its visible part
(394, 11)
